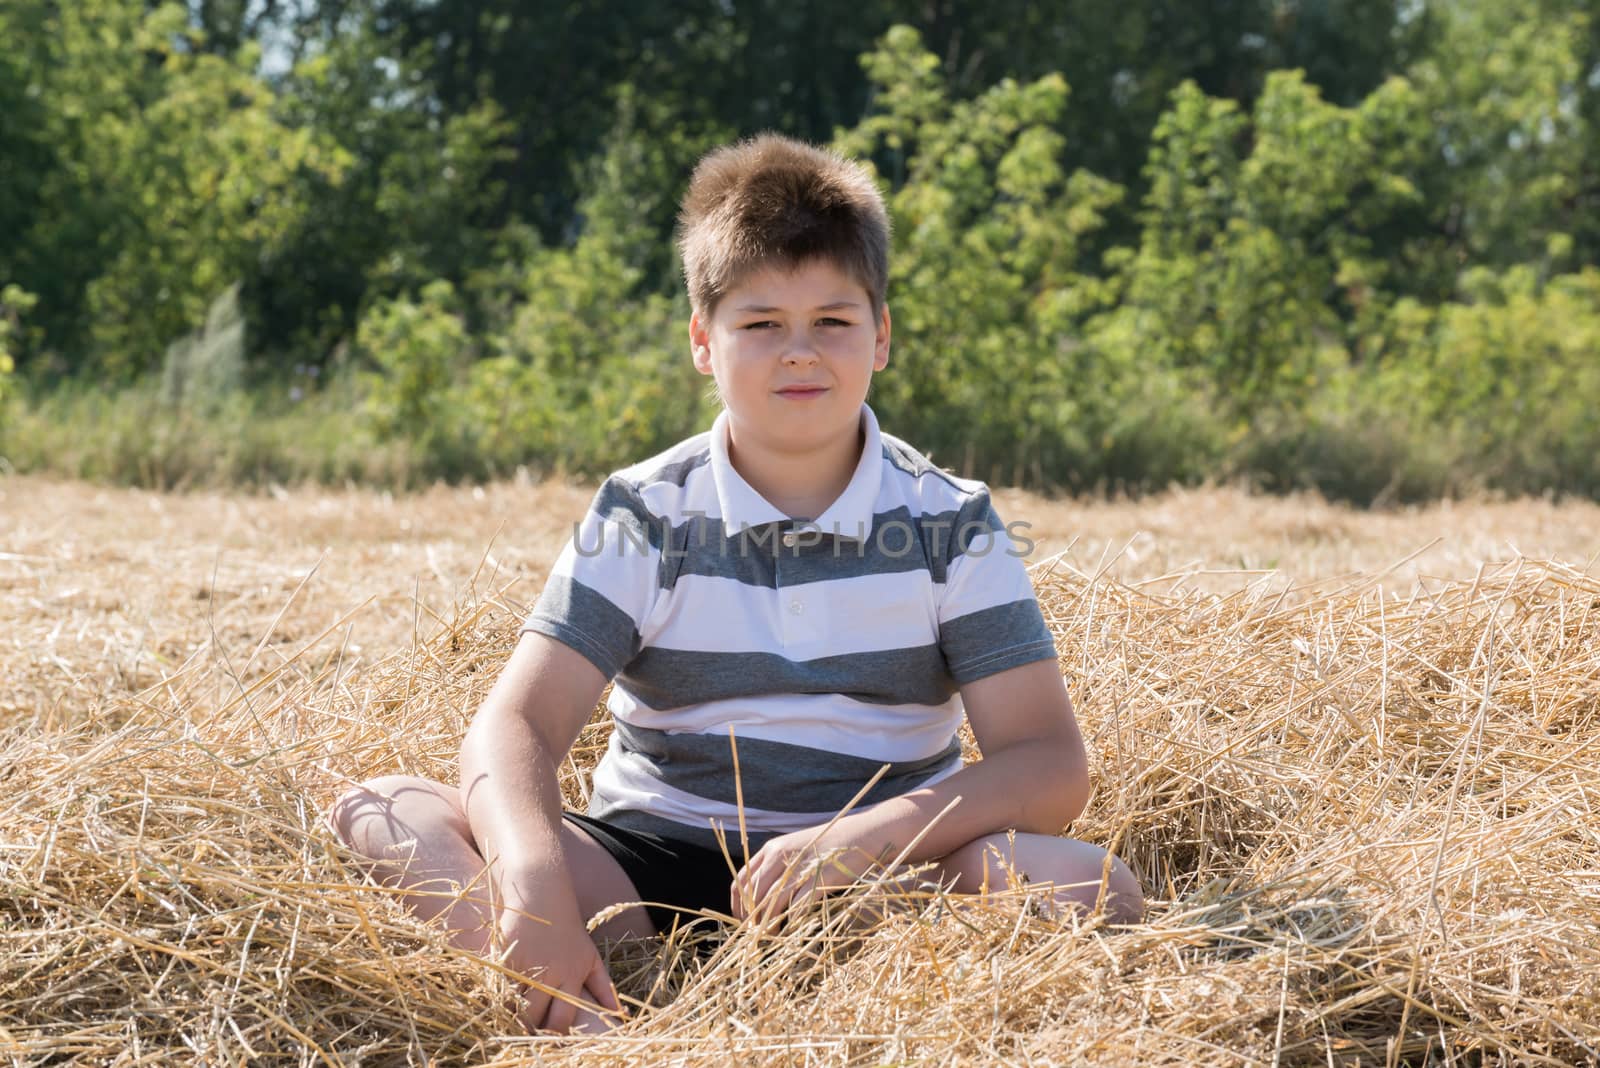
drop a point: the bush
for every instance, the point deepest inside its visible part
(15, 303)
(131, 436)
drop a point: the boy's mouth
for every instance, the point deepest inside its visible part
(802, 391)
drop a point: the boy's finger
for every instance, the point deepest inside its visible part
(772, 914)
(775, 880)
(744, 893)
(535, 1004)
(600, 989)
(589, 1022)
(560, 1015)
(770, 903)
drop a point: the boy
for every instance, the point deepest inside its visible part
(793, 590)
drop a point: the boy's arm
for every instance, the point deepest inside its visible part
(512, 799)
(1033, 777)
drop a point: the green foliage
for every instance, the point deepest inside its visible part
(990, 264)
(1348, 244)
(584, 370)
(129, 435)
(1501, 83)
(1241, 255)
(170, 176)
(416, 344)
(1511, 375)
(15, 302)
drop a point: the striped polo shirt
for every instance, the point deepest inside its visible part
(825, 648)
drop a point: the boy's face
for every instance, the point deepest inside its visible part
(793, 350)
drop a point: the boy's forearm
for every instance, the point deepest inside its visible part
(512, 798)
(1038, 787)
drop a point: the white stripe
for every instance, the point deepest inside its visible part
(651, 468)
(619, 572)
(667, 500)
(618, 785)
(975, 582)
(927, 494)
(889, 733)
(711, 614)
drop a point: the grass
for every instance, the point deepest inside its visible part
(133, 437)
(1356, 785)
(305, 431)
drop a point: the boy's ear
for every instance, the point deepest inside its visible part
(880, 349)
(700, 343)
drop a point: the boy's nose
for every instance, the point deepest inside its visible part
(800, 350)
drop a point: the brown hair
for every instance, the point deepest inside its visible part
(772, 199)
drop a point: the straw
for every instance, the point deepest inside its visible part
(1363, 805)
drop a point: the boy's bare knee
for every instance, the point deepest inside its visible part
(1078, 871)
(355, 803)
(374, 819)
(1124, 900)
(982, 865)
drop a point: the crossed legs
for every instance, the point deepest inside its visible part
(414, 835)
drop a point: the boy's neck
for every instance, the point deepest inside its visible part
(801, 484)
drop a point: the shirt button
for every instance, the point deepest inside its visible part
(790, 540)
(796, 607)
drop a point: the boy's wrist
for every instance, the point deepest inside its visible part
(859, 840)
(542, 889)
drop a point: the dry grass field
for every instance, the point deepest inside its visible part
(1352, 756)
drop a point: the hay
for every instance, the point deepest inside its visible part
(1367, 823)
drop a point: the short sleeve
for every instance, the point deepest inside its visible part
(605, 581)
(989, 618)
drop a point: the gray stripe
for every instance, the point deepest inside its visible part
(904, 458)
(775, 776)
(585, 619)
(635, 530)
(676, 678)
(677, 473)
(951, 534)
(633, 819)
(896, 542)
(618, 501)
(990, 640)
(909, 461)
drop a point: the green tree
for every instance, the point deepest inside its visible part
(774, 64)
(990, 260)
(590, 367)
(417, 344)
(1253, 230)
(27, 155)
(1503, 83)
(415, 202)
(172, 182)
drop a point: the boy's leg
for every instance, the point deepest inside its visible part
(415, 834)
(1075, 869)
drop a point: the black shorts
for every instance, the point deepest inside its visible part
(668, 871)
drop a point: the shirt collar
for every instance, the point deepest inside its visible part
(849, 516)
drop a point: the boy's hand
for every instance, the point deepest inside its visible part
(558, 956)
(794, 869)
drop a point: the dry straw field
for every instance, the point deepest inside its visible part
(1352, 757)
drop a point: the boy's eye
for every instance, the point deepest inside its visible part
(771, 324)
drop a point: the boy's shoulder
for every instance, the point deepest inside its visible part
(932, 485)
(672, 465)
